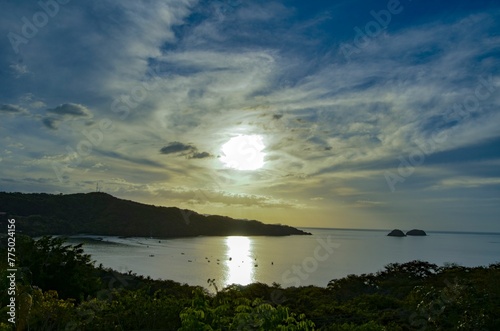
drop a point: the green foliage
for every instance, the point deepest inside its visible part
(130, 310)
(6, 327)
(370, 326)
(206, 313)
(468, 302)
(58, 288)
(48, 312)
(352, 286)
(49, 263)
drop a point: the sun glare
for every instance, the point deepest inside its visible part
(239, 260)
(243, 152)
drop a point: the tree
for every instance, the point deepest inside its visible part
(51, 265)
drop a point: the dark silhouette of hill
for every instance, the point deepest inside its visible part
(397, 233)
(102, 214)
(416, 232)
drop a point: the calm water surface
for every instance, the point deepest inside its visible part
(290, 261)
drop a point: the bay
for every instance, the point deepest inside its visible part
(290, 261)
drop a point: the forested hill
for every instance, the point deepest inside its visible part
(97, 213)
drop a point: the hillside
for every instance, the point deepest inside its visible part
(102, 214)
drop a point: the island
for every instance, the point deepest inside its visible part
(396, 233)
(99, 213)
(416, 232)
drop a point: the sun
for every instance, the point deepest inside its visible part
(243, 152)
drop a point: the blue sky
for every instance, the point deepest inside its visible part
(373, 114)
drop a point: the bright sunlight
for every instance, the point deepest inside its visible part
(243, 152)
(239, 260)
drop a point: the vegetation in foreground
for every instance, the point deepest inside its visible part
(59, 288)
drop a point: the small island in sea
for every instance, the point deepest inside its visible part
(399, 233)
(99, 213)
(416, 232)
(396, 233)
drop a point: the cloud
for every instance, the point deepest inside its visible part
(368, 204)
(207, 196)
(71, 109)
(185, 150)
(12, 109)
(202, 155)
(51, 123)
(467, 182)
(194, 74)
(63, 113)
(131, 159)
(37, 104)
(176, 147)
(19, 69)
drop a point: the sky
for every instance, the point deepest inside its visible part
(347, 114)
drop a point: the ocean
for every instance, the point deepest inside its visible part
(290, 261)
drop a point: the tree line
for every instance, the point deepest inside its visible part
(60, 288)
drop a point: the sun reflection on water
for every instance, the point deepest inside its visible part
(239, 261)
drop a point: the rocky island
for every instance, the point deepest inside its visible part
(396, 233)
(399, 233)
(98, 213)
(416, 232)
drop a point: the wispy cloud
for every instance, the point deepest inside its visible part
(178, 79)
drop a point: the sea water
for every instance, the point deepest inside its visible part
(290, 261)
